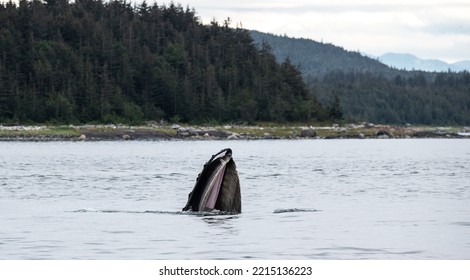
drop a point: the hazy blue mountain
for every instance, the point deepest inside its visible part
(411, 62)
(317, 59)
(463, 64)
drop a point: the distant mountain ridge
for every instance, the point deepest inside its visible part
(410, 62)
(363, 88)
(317, 59)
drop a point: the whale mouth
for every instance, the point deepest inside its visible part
(211, 193)
(217, 186)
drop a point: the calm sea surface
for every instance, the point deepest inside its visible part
(302, 199)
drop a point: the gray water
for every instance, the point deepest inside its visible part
(302, 199)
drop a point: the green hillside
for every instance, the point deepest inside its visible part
(368, 90)
(113, 61)
(318, 59)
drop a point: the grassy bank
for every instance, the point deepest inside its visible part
(38, 132)
(232, 132)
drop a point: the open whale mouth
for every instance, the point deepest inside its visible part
(211, 193)
(217, 186)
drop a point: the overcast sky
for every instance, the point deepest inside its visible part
(429, 29)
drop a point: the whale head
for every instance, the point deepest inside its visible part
(217, 186)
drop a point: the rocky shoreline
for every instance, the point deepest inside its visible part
(152, 132)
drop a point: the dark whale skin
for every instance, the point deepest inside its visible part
(229, 197)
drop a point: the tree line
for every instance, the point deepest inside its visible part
(113, 61)
(316, 59)
(364, 89)
(421, 98)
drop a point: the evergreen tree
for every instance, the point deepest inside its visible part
(113, 61)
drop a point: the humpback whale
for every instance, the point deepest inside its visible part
(217, 186)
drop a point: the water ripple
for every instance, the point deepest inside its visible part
(378, 200)
(202, 213)
(293, 210)
(465, 224)
(363, 250)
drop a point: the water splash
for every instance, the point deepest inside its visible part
(293, 210)
(110, 211)
(190, 213)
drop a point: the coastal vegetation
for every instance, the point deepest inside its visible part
(94, 61)
(102, 62)
(370, 91)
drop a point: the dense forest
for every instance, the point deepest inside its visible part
(365, 96)
(368, 90)
(318, 59)
(113, 61)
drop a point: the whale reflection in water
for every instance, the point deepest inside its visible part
(217, 186)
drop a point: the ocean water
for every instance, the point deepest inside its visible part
(301, 199)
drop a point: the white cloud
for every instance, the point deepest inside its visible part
(427, 28)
